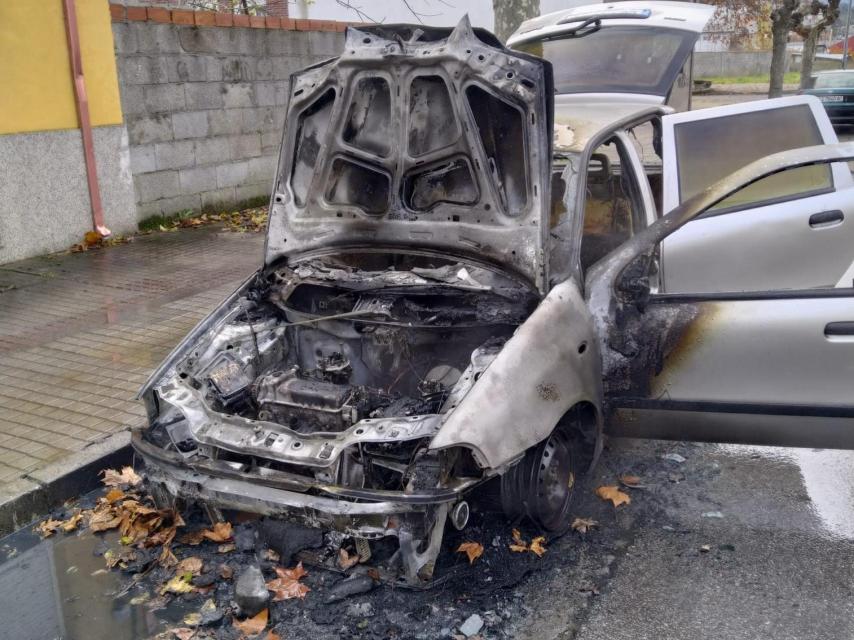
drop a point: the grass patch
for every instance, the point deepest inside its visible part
(182, 218)
(793, 77)
(158, 222)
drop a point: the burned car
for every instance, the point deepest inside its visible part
(423, 322)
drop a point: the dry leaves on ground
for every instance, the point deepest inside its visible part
(472, 549)
(613, 494)
(632, 482)
(583, 525)
(93, 240)
(345, 560)
(520, 545)
(252, 626)
(254, 219)
(220, 532)
(192, 565)
(48, 527)
(178, 584)
(287, 584)
(538, 546)
(127, 476)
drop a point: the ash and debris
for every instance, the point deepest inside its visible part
(502, 594)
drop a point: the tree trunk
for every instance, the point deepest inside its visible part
(780, 35)
(809, 56)
(509, 14)
(784, 19)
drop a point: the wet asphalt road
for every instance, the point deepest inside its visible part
(780, 559)
(733, 542)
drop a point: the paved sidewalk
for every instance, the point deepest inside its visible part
(79, 333)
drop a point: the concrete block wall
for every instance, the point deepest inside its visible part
(204, 105)
(733, 63)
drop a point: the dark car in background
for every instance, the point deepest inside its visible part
(835, 89)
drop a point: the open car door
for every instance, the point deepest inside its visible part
(794, 230)
(774, 366)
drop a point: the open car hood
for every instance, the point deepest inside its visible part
(418, 137)
(628, 51)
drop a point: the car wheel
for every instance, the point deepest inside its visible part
(541, 485)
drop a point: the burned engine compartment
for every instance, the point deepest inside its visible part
(339, 369)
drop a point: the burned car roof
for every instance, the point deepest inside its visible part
(431, 138)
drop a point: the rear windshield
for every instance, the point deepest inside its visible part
(620, 59)
(834, 81)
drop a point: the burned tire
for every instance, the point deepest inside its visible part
(542, 484)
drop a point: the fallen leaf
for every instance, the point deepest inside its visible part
(179, 584)
(166, 558)
(120, 558)
(113, 478)
(583, 525)
(271, 555)
(183, 633)
(272, 635)
(705, 548)
(518, 545)
(103, 518)
(48, 527)
(538, 546)
(613, 494)
(226, 548)
(252, 626)
(374, 574)
(287, 584)
(472, 549)
(191, 565)
(92, 238)
(630, 481)
(225, 572)
(71, 524)
(345, 560)
(193, 619)
(221, 532)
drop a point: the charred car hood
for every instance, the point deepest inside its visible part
(418, 137)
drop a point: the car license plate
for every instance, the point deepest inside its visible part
(831, 98)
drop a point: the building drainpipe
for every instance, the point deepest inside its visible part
(73, 37)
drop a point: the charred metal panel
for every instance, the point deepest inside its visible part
(431, 138)
(549, 365)
(644, 344)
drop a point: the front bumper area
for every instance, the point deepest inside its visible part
(417, 520)
(279, 494)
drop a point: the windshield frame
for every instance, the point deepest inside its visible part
(662, 88)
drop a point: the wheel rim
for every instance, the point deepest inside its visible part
(542, 484)
(554, 483)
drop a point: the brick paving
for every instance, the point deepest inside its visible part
(79, 334)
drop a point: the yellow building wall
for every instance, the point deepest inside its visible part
(37, 93)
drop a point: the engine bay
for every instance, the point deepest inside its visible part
(339, 368)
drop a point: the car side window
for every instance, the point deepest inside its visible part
(712, 148)
(646, 138)
(613, 210)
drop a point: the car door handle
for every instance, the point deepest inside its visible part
(839, 331)
(826, 219)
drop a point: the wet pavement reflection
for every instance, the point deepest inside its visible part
(59, 588)
(828, 478)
